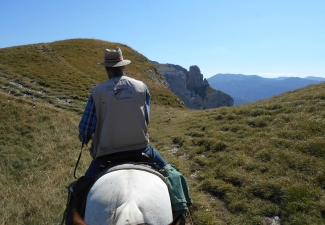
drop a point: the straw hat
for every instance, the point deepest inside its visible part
(114, 58)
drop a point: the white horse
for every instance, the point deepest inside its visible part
(129, 196)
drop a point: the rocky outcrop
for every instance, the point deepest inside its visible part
(175, 77)
(272, 221)
(194, 78)
(191, 88)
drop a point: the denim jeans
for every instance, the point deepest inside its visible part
(154, 157)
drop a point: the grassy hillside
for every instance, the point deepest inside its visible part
(38, 150)
(65, 71)
(258, 160)
(243, 163)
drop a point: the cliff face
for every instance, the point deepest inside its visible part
(191, 88)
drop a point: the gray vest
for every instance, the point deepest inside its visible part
(120, 111)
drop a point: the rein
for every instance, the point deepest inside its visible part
(74, 174)
(75, 168)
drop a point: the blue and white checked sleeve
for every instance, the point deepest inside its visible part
(87, 125)
(147, 106)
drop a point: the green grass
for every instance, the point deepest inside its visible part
(242, 163)
(38, 147)
(260, 159)
(67, 70)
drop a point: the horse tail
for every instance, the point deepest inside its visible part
(127, 213)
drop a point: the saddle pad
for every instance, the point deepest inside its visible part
(132, 166)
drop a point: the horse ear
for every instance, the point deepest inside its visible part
(77, 220)
(179, 220)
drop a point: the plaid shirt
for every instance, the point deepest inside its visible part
(87, 125)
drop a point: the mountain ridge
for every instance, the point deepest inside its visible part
(67, 70)
(251, 88)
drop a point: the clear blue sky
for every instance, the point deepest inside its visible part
(269, 38)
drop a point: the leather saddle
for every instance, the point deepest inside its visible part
(120, 157)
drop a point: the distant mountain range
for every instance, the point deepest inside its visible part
(251, 88)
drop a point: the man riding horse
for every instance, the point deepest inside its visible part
(116, 119)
